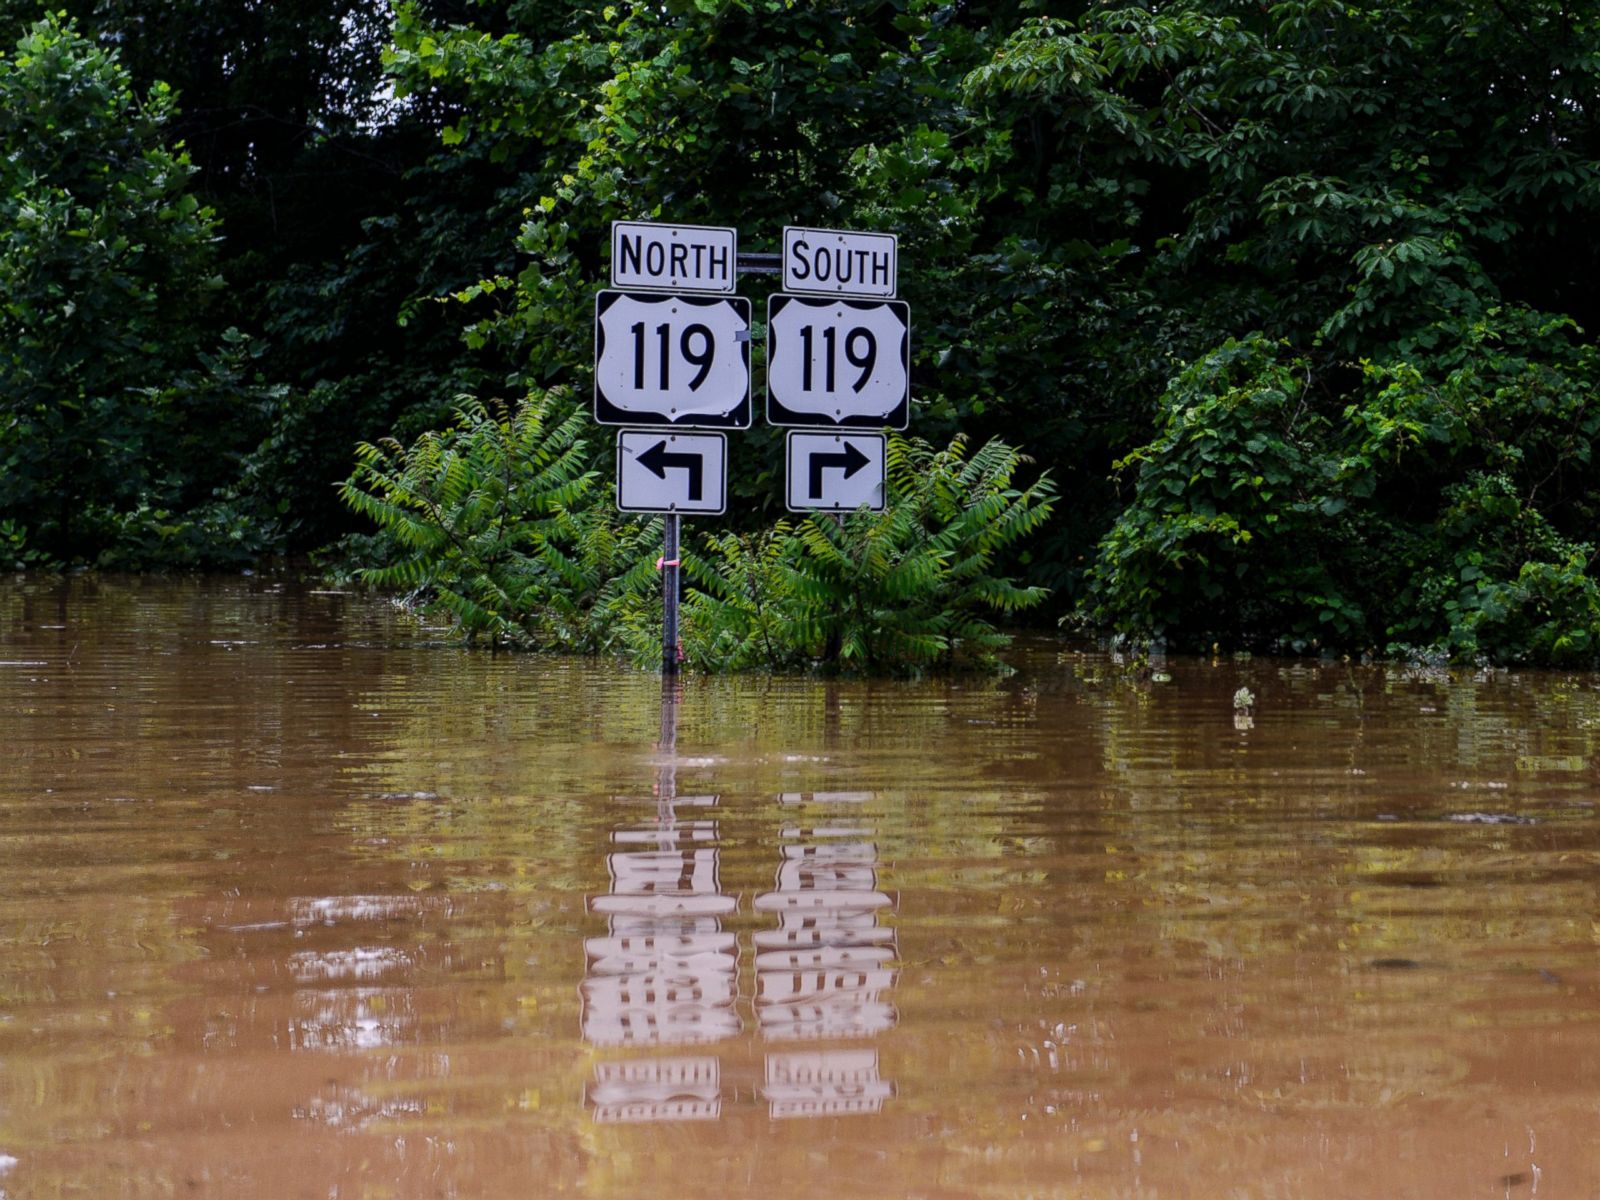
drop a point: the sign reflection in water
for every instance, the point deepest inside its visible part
(824, 972)
(668, 972)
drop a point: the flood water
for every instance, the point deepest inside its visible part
(297, 901)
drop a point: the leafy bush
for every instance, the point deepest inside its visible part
(502, 523)
(1229, 527)
(16, 554)
(1444, 502)
(913, 586)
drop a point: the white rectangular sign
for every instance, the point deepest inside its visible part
(826, 798)
(838, 363)
(675, 360)
(663, 472)
(837, 262)
(674, 258)
(834, 472)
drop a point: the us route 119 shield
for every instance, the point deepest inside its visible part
(672, 360)
(838, 363)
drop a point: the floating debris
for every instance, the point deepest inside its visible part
(1490, 818)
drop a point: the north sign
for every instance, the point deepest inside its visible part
(673, 360)
(838, 363)
(834, 472)
(674, 258)
(837, 262)
(660, 472)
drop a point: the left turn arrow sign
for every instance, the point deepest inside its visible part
(658, 459)
(671, 472)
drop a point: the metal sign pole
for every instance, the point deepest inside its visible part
(667, 750)
(669, 598)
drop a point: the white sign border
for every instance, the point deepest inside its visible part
(733, 263)
(894, 264)
(788, 461)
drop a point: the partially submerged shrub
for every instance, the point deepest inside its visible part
(502, 522)
(915, 585)
(1448, 503)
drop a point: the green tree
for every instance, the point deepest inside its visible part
(1356, 232)
(113, 410)
(751, 113)
(330, 225)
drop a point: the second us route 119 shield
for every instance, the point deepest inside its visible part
(672, 360)
(838, 363)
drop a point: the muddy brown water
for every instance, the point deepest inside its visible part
(297, 902)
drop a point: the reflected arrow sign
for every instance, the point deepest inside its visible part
(658, 460)
(850, 459)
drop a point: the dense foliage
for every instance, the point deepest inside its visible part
(498, 525)
(1292, 301)
(115, 404)
(1444, 513)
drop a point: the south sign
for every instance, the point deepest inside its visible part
(838, 262)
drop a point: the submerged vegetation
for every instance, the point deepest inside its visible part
(500, 523)
(1293, 303)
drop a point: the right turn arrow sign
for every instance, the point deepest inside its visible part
(835, 472)
(850, 460)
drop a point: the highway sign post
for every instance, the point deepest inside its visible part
(668, 354)
(834, 472)
(672, 355)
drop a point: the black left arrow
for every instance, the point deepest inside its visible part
(656, 460)
(852, 460)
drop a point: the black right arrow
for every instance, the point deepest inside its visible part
(656, 460)
(852, 460)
